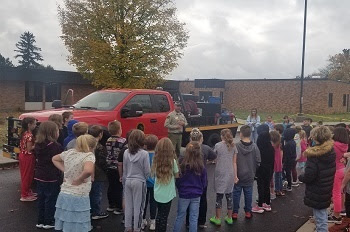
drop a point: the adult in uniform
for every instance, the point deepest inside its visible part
(175, 122)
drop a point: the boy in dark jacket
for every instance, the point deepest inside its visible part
(265, 171)
(289, 155)
(248, 160)
(319, 175)
(100, 175)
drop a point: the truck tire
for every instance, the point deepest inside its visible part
(213, 139)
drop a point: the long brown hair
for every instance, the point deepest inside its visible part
(25, 124)
(227, 136)
(136, 141)
(47, 132)
(275, 138)
(163, 161)
(58, 119)
(193, 159)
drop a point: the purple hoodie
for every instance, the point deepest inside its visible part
(190, 185)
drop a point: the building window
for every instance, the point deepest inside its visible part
(204, 96)
(344, 99)
(330, 100)
(52, 92)
(34, 91)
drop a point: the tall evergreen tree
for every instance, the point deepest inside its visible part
(5, 62)
(27, 51)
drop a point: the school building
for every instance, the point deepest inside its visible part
(35, 89)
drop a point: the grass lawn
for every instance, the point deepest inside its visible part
(3, 125)
(278, 117)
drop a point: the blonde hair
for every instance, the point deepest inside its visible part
(47, 132)
(302, 134)
(163, 161)
(86, 143)
(80, 128)
(196, 135)
(56, 118)
(321, 134)
(227, 136)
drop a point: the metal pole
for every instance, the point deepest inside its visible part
(302, 62)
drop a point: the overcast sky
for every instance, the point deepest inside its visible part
(231, 39)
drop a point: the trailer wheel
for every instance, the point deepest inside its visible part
(213, 139)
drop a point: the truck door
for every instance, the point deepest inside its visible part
(161, 107)
(144, 122)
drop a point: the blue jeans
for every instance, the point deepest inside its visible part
(182, 206)
(254, 135)
(321, 219)
(248, 197)
(47, 197)
(278, 182)
(96, 197)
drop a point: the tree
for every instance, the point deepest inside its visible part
(28, 51)
(123, 43)
(5, 62)
(338, 67)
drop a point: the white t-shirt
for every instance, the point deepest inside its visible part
(73, 167)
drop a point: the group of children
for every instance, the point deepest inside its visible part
(71, 166)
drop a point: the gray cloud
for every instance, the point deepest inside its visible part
(228, 39)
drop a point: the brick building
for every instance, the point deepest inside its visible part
(281, 95)
(35, 89)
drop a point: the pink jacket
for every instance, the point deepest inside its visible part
(340, 149)
(303, 145)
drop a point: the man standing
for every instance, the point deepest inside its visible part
(175, 122)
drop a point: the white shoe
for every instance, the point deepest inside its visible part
(152, 225)
(40, 226)
(144, 224)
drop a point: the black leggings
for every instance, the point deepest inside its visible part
(264, 179)
(152, 204)
(162, 216)
(115, 189)
(288, 169)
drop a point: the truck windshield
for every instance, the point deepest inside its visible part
(101, 101)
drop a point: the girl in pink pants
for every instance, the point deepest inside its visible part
(341, 141)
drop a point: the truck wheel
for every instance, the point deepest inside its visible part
(213, 139)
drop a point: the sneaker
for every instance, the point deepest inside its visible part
(29, 198)
(49, 226)
(295, 184)
(152, 225)
(33, 194)
(285, 183)
(215, 221)
(272, 196)
(228, 220)
(201, 226)
(99, 216)
(334, 219)
(248, 215)
(111, 209)
(40, 226)
(343, 213)
(257, 209)
(143, 224)
(289, 189)
(234, 216)
(266, 207)
(118, 212)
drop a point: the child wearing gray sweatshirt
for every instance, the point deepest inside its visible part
(136, 170)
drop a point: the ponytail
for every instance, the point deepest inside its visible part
(227, 136)
(86, 143)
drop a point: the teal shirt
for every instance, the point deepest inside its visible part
(165, 193)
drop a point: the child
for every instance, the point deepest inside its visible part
(248, 160)
(136, 170)
(224, 175)
(150, 144)
(165, 170)
(295, 182)
(289, 155)
(99, 175)
(57, 118)
(190, 186)
(27, 159)
(265, 171)
(302, 159)
(66, 117)
(319, 175)
(80, 128)
(47, 176)
(208, 155)
(114, 146)
(307, 127)
(276, 143)
(270, 122)
(253, 121)
(341, 141)
(73, 203)
(286, 123)
(69, 132)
